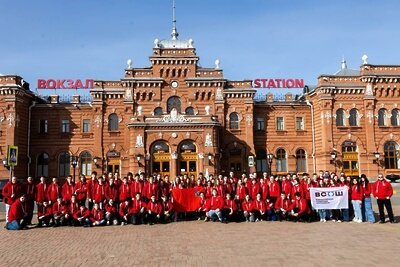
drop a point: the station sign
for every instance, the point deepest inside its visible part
(65, 84)
(278, 83)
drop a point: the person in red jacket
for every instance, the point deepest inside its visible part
(247, 207)
(259, 208)
(112, 192)
(229, 213)
(99, 192)
(81, 190)
(255, 189)
(264, 189)
(296, 188)
(12, 191)
(286, 185)
(274, 189)
(68, 189)
(17, 215)
(299, 209)
(282, 207)
(97, 216)
(58, 210)
(111, 214)
(202, 209)
(123, 211)
(383, 191)
(30, 193)
(150, 188)
(45, 214)
(137, 210)
(154, 211)
(241, 192)
(53, 191)
(124, 190)
(215, 206)
(136, 186)
(82, 216)
(69, 210)
(199, 188)
(367, 203)
(167, 209)
(357, 195)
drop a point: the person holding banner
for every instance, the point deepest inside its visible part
(357, 194)
(383, 191)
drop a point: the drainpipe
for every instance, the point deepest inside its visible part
(312, 133)
(29, 137)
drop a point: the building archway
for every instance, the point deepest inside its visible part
(350, 164)
(161, 157)
(187, 158)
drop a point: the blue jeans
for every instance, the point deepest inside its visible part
(213, 213)
(345, 215)
(357, 209)
(14, 225)
(322, 214)
(368, 212)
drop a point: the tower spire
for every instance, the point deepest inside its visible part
(174, 33)
(344, 64)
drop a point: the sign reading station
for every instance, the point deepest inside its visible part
(65, 84)
(278, 83)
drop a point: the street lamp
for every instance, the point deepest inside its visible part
(270, 157)
(74, 163)
(376, 160)
(333, 158)
(96, 161)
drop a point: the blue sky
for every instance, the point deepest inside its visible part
(253, 38)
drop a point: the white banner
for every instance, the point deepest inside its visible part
(329, 198)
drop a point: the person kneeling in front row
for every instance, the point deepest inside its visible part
(299, 209)
(83, 216)
(17, 215)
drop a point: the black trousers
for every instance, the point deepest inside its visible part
(388, 205)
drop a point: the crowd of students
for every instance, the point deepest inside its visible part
(137, 199)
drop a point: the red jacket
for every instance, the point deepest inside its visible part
(301, 204)
(228, 188)
(67, 191)
(199, 189)
(99, 192)
(382, 189)
(11, 192)
(154, 207)
(112, 192)
(214, 203)
(44, 211)
(367, 190)
(81, 190)
(58, 209)
(16, 211)
(96, 215)
(357, 194)
(136, 206)
(149, 190)
(287, 187)
(295, 189)
(124, 192)
(85, 213)
(220, 190)
(208, 191)
(247, 206)
(259, 205)
(255, 189)
(282, 204)
(136, 187)
(308, 187)
(274, 189)
(264, 191)
(53, 192)
(41, 192)
(167, 206)
(71, 208)
(230, 204)
(110, 208)
(203, 205)
(241, 191)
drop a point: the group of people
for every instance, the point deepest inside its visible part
(137, 199)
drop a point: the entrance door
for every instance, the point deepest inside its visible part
(188, 164)
(350, 158)
(161, 164)
(113, 166)
(235, 161)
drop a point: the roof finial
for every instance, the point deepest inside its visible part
(174, 33)
(344, 64)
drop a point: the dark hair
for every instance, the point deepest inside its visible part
(357, 184)
(366, 181)
(297, 194)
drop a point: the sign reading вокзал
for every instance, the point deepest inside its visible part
(329, 198)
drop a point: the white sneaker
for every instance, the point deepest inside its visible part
(333, 220)
(122, 224)
(359, 221)
(321, 220)
(339, 221)
(324, 220)
(108, 222)
(257, 220)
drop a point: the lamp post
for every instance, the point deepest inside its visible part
(333, 158)
(74, 163)
(376, 160)
(270, 157)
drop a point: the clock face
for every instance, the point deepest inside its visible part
(174, 84)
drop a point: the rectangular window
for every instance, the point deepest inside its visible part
(299, 123)
(280, 126)
(43, 126)
(65, 126)
(86, 126)
(260, 124)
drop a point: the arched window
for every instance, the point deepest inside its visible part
(187, 146)
(382, 117)
(349, 146)
(63, 164)
(189, 111)
(233, 121)
(42, 167)
(301, 162)
(158, 111)
(261, 161)
(174, 102)
(340, 117)
(281, 165)
(392, 155)
(160, 147)
(86, 163)
(353, 120)
(395, 119)
(113, 122)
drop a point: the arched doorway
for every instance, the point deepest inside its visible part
(187, 158)
(161, 157)
(350, 158)
(235, 159)
(113, 162)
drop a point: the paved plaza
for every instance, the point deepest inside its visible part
(197, 243)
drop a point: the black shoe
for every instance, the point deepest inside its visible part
(393, 222)
(381, 221)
